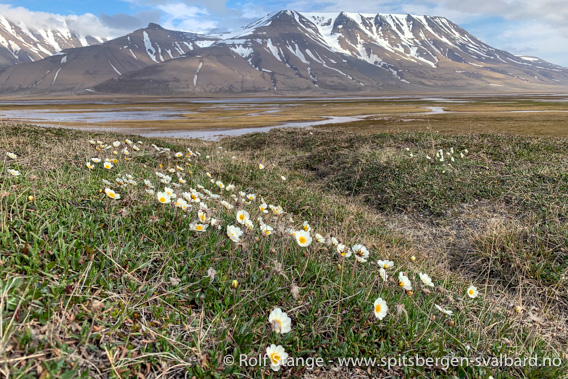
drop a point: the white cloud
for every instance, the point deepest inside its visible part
(85, 24)
(534, 38)
(181, 16)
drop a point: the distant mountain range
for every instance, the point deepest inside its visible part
(21, 43)
(284, 53)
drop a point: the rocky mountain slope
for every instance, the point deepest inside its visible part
(80, 68)
(22, 43)
(291, 52)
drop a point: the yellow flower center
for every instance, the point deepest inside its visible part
(471, 292)
(198, 227)
(112, 195)
(306, 227)
(241, 217)
(401, 284)
(267, 232)
(262, 209)
(386, 265)
(302, 240)
(162, 199)
(378, 308)
(275, 358)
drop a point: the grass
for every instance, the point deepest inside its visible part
(94, 287)
(522, 181)
(541, 116)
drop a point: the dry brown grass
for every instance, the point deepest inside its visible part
(478, 116)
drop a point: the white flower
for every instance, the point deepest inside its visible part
(181, 203)
(110, 193)
(12, 155)
(227, 205)
(14, 172)
(170, 192)
(164, 198)
(381, 308)
(277, 356)
(448, 312)
(334, 241)
(385, 264)
(283, 178)
(202, 216)
(249, 224)
(306, 226)
(361, 253)
(383, 274)
(404, 282)
(261, 166)
(116, 143)
(303, 238)
(266, 229)
(472, 292)
(198, 227)
(319, 238)
(107, 183)
(220, 184)
(344, 250)
(426, 279)
(280, 321)
(234, 233)
(262, 208)
(277, 210)
(242, 216)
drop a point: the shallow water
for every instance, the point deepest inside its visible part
(91, 116)
(87, 119)
(215, 134)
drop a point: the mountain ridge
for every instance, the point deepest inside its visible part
(22, 43)
(292, 52)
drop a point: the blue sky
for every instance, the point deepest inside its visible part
(530, 27)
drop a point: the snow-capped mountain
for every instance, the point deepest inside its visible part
(21, 43)
(79, 68)
(291, 52)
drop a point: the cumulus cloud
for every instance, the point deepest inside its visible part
(184, 17)
(86, 24)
